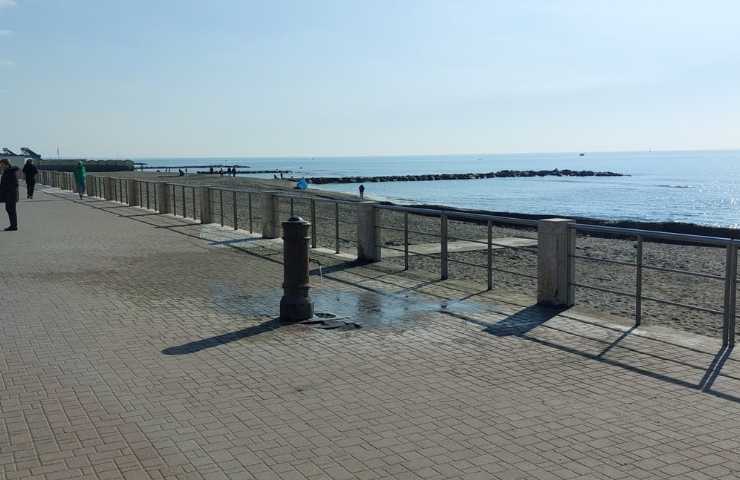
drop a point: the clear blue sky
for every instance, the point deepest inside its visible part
(311, 77)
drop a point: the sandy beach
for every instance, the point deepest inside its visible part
(516, 267)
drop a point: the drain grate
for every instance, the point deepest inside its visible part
(329, 321)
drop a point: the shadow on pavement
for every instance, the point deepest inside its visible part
(216, 341)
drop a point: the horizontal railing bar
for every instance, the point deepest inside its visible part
(496, 269)
(650, 267)
(646, 234)
(452, 260)
(684, 272)
(417, 232)
(599, 289)
(682, 305)
(603, 260)
(456, 215)
(650, 299)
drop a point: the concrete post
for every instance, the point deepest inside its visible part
(108, 186)
(163, 198)
(296, 304)
(270, 215)
(132, 192)
(368, 243)
(206, 214)
(555, 262)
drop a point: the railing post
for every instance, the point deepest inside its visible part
(162, 192)
(270, 215)
(638, 283)
(555, 262)
(490, 255)
(730, 310)
(132, 195)
(205, 205)
(313, 223)
(251, 218)
(443, 253)
(368, 244)
(336, 228)
(405, 240)
(235, 208)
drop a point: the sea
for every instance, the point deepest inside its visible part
(699, 187)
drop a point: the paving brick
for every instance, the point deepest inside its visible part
(135, 345)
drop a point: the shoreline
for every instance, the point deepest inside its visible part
(287, 186)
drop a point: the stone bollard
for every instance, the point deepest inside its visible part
(108, 187)
(132, 193)
(368, 244)
(206, 213)
(555, 262)
(163, 197)
(270, 215)
(296, 304)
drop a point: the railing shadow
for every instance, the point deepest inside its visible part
(523, 323)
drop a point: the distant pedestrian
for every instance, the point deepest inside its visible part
(9, 192)
(80, 174)
(180, 173)
(211, 170)
(281, 175)
(233, 171)
(29, 173)
(221, 171)
(362, 191)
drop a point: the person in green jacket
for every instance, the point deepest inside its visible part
(80, 174)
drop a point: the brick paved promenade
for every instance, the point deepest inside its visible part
(136, 345)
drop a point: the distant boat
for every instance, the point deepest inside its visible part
(581, 154)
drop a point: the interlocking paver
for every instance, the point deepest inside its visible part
(140, 346)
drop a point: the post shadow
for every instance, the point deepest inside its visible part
(524, 320)
(224, 339)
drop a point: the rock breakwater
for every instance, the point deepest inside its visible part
(464, 176)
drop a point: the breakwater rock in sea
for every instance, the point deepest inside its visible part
(465, 176)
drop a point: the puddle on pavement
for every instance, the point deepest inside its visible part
(364, 308)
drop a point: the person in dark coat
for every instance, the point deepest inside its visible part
(29, 173)
(9, 192)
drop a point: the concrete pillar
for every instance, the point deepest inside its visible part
(132, 192)
(108, 185)
(163, 198)
(368, 243)
(296, 304)
(206, 212)
(270, 215)
(556, 242)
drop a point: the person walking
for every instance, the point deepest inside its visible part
(9, 192)
(80, 174)
(29, 173)
(362, 192)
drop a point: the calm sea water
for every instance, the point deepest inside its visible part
(694, 187)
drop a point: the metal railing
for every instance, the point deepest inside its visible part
(729, 307)
(444, 238)
(328, 221)
(321, 212)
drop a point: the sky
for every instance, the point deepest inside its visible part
(143, 78)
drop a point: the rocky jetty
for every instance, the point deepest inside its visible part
(465, 176)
